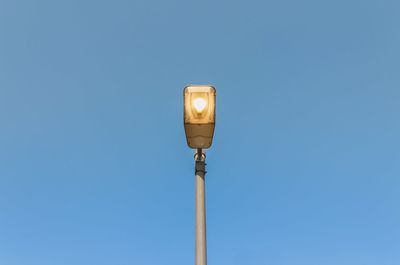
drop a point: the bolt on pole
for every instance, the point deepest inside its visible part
(200, 241)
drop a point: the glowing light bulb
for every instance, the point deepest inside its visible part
(199, 104)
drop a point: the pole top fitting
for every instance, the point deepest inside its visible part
(200, 155)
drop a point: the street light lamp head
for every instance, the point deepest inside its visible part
(199, 115)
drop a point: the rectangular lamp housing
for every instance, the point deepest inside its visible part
(199, 115)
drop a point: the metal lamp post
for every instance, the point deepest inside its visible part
(199, 122)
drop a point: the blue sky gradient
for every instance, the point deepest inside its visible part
(305, 163)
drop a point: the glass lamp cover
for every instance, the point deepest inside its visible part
(199, 115)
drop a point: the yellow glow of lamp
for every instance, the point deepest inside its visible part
(199, 115)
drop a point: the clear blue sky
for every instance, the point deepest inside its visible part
(305, 163)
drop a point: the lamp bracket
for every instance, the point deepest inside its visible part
(200, 158)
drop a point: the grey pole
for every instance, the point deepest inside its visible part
(200, 241)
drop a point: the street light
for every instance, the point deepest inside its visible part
(199, 122)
